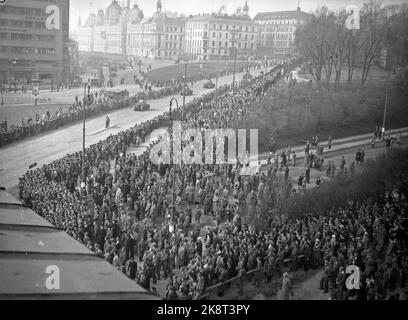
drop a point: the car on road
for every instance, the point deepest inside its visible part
(141, 105)
(116, 94)
(209, 85)
(188, 91)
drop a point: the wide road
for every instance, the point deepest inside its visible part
(42, 149)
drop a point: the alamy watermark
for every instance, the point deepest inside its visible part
(353, 17)
(205, 146)
(52, 282)
(353, 280)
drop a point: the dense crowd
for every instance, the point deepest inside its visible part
(96, 104)
(131, 198)
(126, 213)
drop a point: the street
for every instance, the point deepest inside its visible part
(42, 149)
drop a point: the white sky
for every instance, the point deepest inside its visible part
(83, 7)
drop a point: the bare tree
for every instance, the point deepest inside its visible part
(352, 51)
(372, 35)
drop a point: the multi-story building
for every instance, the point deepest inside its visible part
(73, 61)
(106, 31)
(277, 31)
(28, 49)
(158, 37)
(217, 36)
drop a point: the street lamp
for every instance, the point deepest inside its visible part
(87, 85)
(172, 157)
(234, 32)
(184, 91)
(385, 103)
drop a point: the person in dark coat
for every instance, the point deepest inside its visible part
(132, 268)
(307, 175)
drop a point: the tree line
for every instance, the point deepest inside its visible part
(330, 47)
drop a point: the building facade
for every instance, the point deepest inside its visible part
(277, 31)
(158, 37)
(124, 30)
(217, 36)
(28, 49)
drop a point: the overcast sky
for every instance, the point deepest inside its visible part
(83, 7)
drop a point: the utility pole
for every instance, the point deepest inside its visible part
(172, 154)
(233, 32)
(87, 85)
(216, 80)
(184, 90)
(385, 103)
(235, 67)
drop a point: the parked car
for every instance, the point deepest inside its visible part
(116, 94)
(209, 85)
(141, 105)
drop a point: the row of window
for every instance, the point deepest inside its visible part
(281, 22)
(28, 50)
(220, 27)
(277, 36)
(200, 43)
(22, 24)
(174, 29)
(220, 35)
(279, 29)
(26, 37)
(171, 37)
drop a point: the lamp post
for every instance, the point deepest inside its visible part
(266, 65)
(184, 91)
(385, 104)
(87, 85)
(173, 183)
(234, 32)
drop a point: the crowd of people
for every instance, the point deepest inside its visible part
(188, 224)
(224, 71)
(98, 104)
(133, 198)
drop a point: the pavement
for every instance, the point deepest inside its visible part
(42, 149)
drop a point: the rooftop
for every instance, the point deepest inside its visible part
(215, 17)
